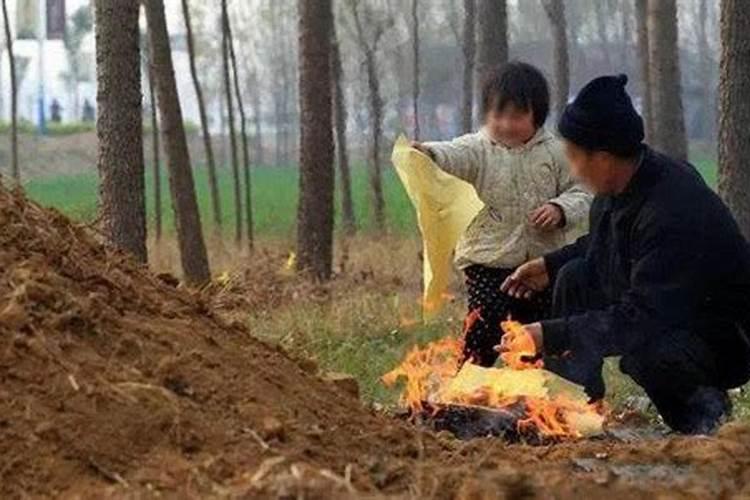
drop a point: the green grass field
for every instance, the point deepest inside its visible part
(275, 197)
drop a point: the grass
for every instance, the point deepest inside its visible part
(360, 336)
(275, 193)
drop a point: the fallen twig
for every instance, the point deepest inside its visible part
(107, 474)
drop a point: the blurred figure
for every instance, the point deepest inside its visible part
(55, 111)
(89, 114)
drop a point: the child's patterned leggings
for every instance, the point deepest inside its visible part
(488, 307)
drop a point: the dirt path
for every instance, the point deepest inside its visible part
(115, 383)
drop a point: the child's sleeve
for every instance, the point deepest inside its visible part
(461, 157)
(574, 201)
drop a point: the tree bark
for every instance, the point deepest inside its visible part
(14, 169)
(340, 116)
(230, 120)
(492, 19)
(119, 126)
(664, 73)
(641, 17)
(257, 109)
(207, 145)
(706, 64)
(187, 217)
(555, 10)
(469, 50)
(156, 167)
(415, 53)
(243, 135)
(315, 209)
(626, 13)
(601, 29)
(375, 100)
(734, 111)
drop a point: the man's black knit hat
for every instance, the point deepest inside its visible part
(602, 118)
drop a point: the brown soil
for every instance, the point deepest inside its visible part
(113, 382)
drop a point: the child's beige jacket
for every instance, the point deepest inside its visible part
(511, 182)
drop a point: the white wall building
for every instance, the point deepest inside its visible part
(55, 63)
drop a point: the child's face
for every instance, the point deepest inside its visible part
(510, 125)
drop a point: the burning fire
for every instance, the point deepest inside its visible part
(520, 353)
(553, 407)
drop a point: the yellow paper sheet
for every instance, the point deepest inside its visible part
(445, 206)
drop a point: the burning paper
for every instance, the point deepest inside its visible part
(544, 403)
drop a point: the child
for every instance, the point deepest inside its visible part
(520, 174)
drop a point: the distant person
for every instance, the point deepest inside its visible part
(520, 173)
(55, 111)
(88, 111)
(662, 279)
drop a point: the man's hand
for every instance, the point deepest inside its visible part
(527, 279)
(547, 217)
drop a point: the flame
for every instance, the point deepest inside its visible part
(520, 353)
(426, 371)
(553, 407)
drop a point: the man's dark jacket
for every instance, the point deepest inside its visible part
(667, 255)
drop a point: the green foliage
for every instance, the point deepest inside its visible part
(70, 128)
(53, 129)
(24, 127)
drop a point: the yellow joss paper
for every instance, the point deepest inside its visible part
(445, 206)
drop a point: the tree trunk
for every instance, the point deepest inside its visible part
(243, 136)
(601, 29)
(315, 209)
(492, 19)
(187, 217)
(230, 119)
(156, 167)
(258, 139)
(469, 49)
(734, 111)
(14, 170)
(706, 65)
(415, 52)
(119, 126)
(641, 16)
(555, 10)
(376, 110)
(664, 73)
(210, 161)
(626, 13)
(369, 50)
(340, 116)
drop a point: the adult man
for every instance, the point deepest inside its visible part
(662, 279)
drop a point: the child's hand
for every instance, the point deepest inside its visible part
(422, 148)
(547, 217)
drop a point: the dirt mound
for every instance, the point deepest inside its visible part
(109, 375)
(113, 382)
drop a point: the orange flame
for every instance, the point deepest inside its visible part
(426, 371)
(432, 376)
(520, 350)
